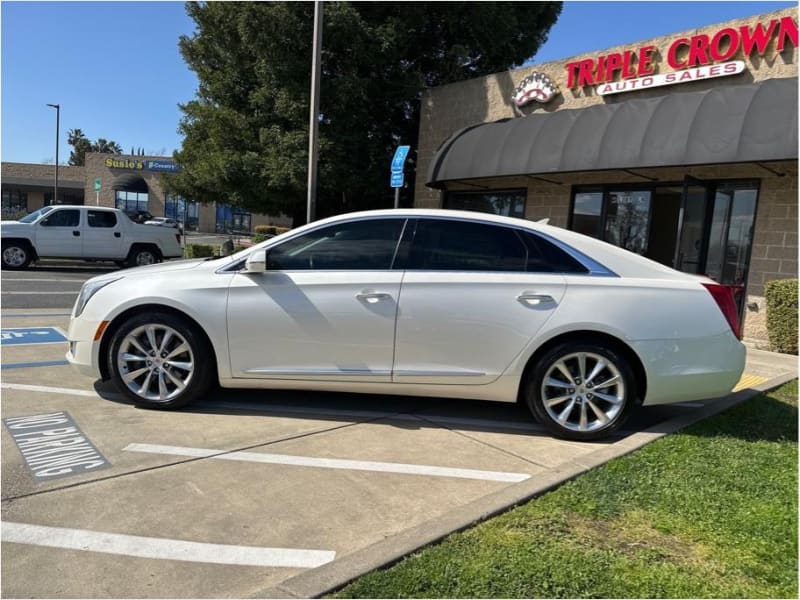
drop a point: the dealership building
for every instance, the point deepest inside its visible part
(681, 148)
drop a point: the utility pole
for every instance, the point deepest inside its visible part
(58, 118)
(313, 122)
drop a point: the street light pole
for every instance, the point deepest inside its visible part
(58, 118)
(313, 122)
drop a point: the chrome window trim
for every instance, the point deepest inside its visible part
(319, 372)
(417, 373)
(594, 268)
(235, 268)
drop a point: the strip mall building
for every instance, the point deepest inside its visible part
(131, 183)
(682, 148)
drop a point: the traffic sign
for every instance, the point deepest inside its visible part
(400, 157)
(397, 179)
(97, 185)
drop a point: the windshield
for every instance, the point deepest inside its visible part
(35, 214)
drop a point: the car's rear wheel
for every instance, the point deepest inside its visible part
(581, 391)
(16, 255)
(160, 361)
(143, 255)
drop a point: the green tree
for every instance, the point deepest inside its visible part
(246, 133)
(81, 145)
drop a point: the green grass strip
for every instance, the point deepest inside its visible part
(709, 512)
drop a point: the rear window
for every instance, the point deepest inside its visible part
(545, 257)
(101, 218)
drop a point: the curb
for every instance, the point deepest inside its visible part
(322, 580)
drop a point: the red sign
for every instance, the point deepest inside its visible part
(684, 53)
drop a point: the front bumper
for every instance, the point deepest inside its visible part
(83, 353)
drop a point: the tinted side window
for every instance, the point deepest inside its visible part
(546, 257)
(101, 218)
(359, 245)
(441, 245)
(63, 218)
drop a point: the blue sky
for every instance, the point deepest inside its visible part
(115, 69)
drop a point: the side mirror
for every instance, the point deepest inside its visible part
(256, 262)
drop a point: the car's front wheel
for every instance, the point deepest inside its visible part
(16, 255)
(581, 391)
(161, 361)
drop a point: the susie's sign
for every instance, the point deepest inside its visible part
(698, 57)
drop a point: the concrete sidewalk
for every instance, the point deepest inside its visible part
(769, 364)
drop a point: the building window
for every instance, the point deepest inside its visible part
(175, 207)
(510, 203)
(587, 213)
(132, 202)
(15, 204)
(628, 220)
(232, 219)
(699, 227)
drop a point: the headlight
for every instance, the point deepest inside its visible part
(89, 289)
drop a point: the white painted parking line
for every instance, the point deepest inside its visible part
(162, 548)
(330, 463)
(47, 389)
(7, 279)
(41, 293)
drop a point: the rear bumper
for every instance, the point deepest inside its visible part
(691, 369)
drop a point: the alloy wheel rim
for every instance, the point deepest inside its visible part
(14, 256)
(155, 362)
(583, 392)
(145, 258)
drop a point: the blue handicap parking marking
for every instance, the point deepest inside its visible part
(20, 336)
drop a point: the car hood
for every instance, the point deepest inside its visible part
(173, 265)
(13, 225)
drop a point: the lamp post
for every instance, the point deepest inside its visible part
(58, 118)
(313, 126)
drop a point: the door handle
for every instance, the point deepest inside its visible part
(76, 233)
(372, 297)
(117, 234)
(534, 299)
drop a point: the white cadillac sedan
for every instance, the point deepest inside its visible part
(418, 302)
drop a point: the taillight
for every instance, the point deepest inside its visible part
(178, 238)
(723, 295)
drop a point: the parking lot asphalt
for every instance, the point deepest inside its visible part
(255, 493)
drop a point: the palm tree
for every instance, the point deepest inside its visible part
(80, 144)
(105, 146)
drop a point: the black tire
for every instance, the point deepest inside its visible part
(192, 367)
(575, 406)
(143, 255)
(16, 255)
